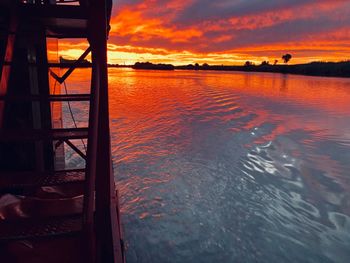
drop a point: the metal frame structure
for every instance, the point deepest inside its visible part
(95, 226)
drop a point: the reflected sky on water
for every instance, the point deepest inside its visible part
(230, 166)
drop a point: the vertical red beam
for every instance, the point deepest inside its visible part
(108, 245)
(6, 68)
(89, 197)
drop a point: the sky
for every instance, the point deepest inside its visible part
(225, 31)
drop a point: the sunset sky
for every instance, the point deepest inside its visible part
(225, 31)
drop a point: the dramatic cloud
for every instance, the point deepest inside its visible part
(229, 31)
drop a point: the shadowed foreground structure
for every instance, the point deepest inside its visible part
(49, 213)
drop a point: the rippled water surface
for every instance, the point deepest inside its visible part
(231, 167)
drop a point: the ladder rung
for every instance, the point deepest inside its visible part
(63, 32)
(39, 228)
(36, 134)
(53, 65)
(58, 97)
(61, 21)
(70, 97)
(69, 64)
(54, 11)
(23, 180)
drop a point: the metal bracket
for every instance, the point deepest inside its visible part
(76, 149)
(71, 69)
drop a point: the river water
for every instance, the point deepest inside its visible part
(229, 166)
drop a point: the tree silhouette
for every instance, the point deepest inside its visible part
(265, 63)
(248, 63)
(276, 61)
(286, 58)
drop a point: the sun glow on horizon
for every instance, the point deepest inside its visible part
(129, 55)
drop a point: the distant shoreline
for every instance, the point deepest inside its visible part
(320, 69)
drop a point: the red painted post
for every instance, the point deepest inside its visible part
(108, 245)
(6, 69)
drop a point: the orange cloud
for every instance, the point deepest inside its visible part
(128, 54)
(153, 30)
(132, 22)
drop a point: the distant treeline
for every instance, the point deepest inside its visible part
(148, 65)
(330, 69)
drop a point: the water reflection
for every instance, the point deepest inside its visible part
(232, 167)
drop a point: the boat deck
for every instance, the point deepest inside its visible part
(54, 250)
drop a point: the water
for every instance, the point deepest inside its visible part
(231, 167)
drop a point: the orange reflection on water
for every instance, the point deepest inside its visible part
(156, 113)
(220, 147)
(146, 95)
(159, 113)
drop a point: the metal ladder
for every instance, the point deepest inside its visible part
(94, 217)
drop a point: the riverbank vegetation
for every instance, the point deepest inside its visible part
(329, 69)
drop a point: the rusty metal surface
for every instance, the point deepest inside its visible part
(39, 134)
(15, 180)
(31, 229)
